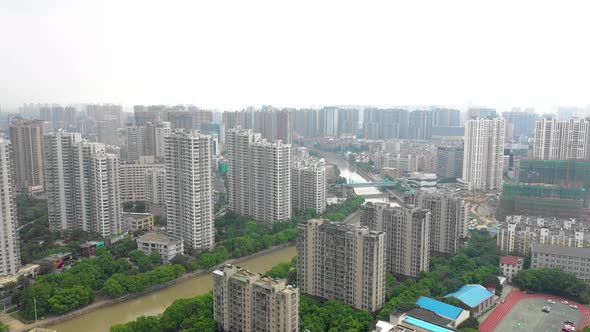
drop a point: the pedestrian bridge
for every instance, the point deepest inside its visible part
(383, 183)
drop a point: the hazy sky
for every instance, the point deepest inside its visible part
(230, 54)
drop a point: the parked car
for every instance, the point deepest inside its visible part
(573, 306)
(551, 301)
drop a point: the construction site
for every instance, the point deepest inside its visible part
(555, 188)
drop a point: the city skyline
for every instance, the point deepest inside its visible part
(524, 54)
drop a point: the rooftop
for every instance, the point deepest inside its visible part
(156, 237)
(559, 250)
(511, 260)
(438, 307)
(426, 325)
(428, 316)
(471, 295)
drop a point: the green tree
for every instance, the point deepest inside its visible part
(113, 288)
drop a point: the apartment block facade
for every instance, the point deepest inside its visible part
(518, 233)
(259, 176)
(568, 259)
(407, 236)
(26, 137)
(309, 186)
(9, 241)
(483, 154)
(448, 219)
(133, 179)
(189, 189)
(343, 263)
(250, 302)
(82, 185)
(562, 140)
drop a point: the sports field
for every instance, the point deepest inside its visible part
(527, 315)
(522, 312)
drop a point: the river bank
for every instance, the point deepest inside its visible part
(157, 301)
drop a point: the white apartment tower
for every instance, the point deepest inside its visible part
(10, 257)
(189, 189)
(562, 140)
(26, 137)
(155, 190)
(308, 183)
(82, 185)
(250, 302)
(259, 176)
(483, 153)
(342, 262)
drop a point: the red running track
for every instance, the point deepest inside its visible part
(516, 296)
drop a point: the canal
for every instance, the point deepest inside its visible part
(156, 302)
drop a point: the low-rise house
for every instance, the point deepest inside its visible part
(476, 298)
(161, 243)
(511, 265)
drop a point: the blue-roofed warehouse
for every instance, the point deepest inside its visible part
(476, 297)
(455, 314)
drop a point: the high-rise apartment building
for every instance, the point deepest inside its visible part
(10, 253)
(143, 114)
(348, 121)
(385, 123)
(189, 189)
(481, 113)
(82, 185)
(259, 176)
(328, 121)
(155, 191)
(342, 262)
(250, 302)
(562, 140)
(407, 236)
(147, 140)
(26, 137)
(449, 162)
(309, 186)
(420, 124)
(305, 122)
(448, 215)
(522, 122)
(445, 117)
(108, 121)
(58, 116)
(483, 154)
(191, 119)
(274, 125)
(133, 179)
(242, 119)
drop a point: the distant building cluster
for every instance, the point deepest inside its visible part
(518, 233)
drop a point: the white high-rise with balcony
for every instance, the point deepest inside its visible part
(562, 140)
(82, 185)
(483, 153)
(10, 253)
(189, 189)
(259, 177)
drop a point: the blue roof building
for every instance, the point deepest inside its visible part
(476, 297)
(440, 308)
(426, 325)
